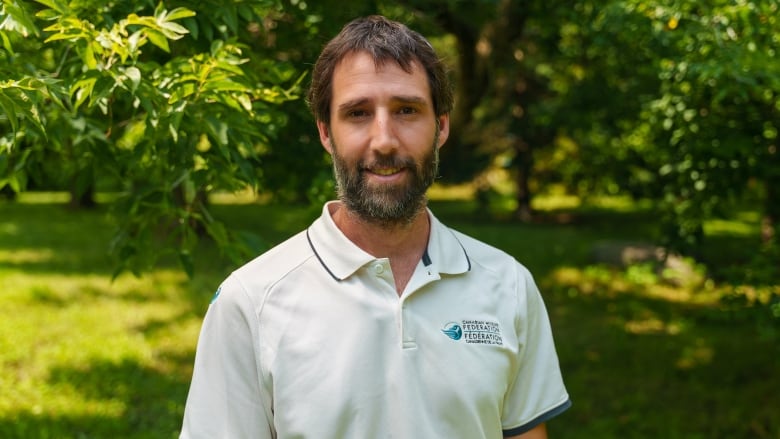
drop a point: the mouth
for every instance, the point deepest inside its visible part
(385, 171)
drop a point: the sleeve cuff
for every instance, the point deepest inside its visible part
(544, 417)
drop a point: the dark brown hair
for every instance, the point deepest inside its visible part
(385, 40)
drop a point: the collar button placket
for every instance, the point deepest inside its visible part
(407, 332)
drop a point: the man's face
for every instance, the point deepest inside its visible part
(384, 138)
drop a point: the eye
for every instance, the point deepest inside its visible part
(407, 110)
(357, 114)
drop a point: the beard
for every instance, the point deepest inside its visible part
(391, 204)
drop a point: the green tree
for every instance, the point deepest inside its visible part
(169, 104)
(677, 102)
(719, 110)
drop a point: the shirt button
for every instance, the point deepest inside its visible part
(379, 269)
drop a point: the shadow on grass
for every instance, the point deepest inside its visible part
(645, 367)
(151, 403)
(51, 238)
(54, 239)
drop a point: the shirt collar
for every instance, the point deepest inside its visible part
(342, 258)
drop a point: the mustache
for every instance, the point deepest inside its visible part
(387, 161)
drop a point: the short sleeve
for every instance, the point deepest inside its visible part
(226, 396)
(538, 392)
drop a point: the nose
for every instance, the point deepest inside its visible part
(383, 136)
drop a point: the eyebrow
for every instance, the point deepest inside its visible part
(400, 99)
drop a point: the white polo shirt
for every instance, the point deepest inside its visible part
(310, 340)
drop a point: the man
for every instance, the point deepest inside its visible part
(377, 321)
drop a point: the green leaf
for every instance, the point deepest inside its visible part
(158, 39)
(58, 5)
(218, 130)
(88, 56)
(179, 13)
(7, 43)
(185, 257)
(19, 20)
(182, 91)
(172, 31)
(231, 18)
(225, 85)
(64, 36)
(245, 102)
(134, 75)
(82, 89)
(9, 108)
(48, 14)
(134, 19)
(192, 25)
(18, 181)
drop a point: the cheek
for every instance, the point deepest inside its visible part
(350, 144)
(417, 139)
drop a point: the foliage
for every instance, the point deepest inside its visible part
(168, 105)
(677, 102)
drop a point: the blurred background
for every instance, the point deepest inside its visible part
(624, 150)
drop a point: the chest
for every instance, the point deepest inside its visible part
(358, 354)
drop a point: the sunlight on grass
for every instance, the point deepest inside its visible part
(9, 229)
(701, 353)
(57, 328)
(26, 256)
(43, 197)
(441, 192)
(606, 281)
(619, 203)
(556, 202)
(82, 356)
(652, 325)
(731, 227)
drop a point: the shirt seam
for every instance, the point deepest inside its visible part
(260, 305)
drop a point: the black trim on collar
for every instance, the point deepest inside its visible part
(426, 258)
(308, 238)
(464, 251)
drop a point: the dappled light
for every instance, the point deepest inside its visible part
(635, 281)
(697, 355)
(85, 352)
(624, 151)
(26, 256)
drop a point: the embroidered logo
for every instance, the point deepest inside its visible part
(214, 298)
(453, 331)
(474, 332)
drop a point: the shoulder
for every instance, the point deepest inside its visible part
(509, 279)
(258, 275)
(279, 259)
(489, 257)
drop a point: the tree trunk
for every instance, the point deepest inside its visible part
(524, 167)
(771, 211)
(82, 197)
(6, 193)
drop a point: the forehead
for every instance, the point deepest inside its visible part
(357, 76)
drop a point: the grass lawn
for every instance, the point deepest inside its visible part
(84, 357)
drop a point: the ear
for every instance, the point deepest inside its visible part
(444, 128)
(324, 131)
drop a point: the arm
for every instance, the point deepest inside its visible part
(538, 393)
(538, 432)
(226, 398)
